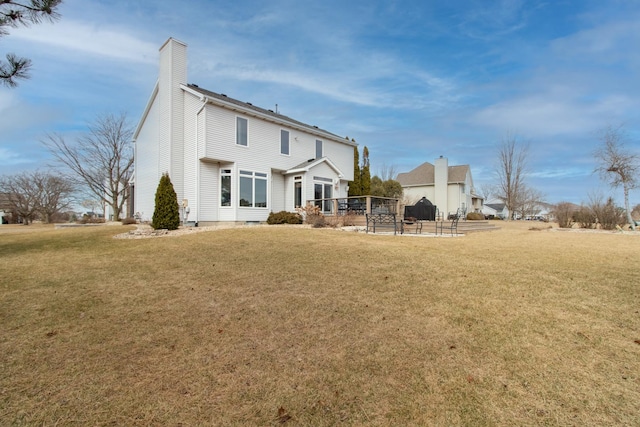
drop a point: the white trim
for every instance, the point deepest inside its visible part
(147, 108)
(313, 164)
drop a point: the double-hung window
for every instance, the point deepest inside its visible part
(318, 148)
(253, 189)
(284, 142)
(241, 131)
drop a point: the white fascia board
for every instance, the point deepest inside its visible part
(333, 166)
(416, 185)
(313, 164)
(145, 113)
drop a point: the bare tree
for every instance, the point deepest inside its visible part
(487, 191)
(529, 202)
(511, 171)
(618, 165)
(101, 160)
(21, 196)
(55, 194)
(387, 172)
(22, 13)
(33, 194)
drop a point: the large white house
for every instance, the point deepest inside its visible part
(229, 160)
(449, 188)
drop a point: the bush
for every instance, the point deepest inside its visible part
(166, 214)
(129, 221)
(349, 219)
(475, 216)
(284, 217)
(86, 219)
(312, 214)
(609, 216)
(585, 217)
(317, 221)
(564, 212)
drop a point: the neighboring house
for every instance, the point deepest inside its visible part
(495, 210)
(449, 188)
(5, 209)
(227, 159)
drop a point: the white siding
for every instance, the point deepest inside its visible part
(288, 193)
(147, 173)
(278, 192)
(191, 160)
(263, 146)
(341, 155)
(455, 198)
(209, 192)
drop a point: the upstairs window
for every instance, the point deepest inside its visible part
(284, 142)
(318, 148)
(241, 131)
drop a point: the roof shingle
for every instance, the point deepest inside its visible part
(425, 175)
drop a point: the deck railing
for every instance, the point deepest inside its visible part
(358, 205)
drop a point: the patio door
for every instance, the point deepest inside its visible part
(323, 191)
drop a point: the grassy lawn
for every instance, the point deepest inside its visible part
(297, 326)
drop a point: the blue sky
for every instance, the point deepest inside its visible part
(412, 80)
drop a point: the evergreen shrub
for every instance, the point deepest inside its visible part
(166, 214)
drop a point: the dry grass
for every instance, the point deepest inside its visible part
(285, 325)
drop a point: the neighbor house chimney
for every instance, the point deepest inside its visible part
(441, 185)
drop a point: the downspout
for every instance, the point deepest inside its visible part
(204, 100)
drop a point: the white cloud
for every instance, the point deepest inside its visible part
(12, 158)
(609, 42)
(379, 82)
(108, 42)
(552, 114)
(560, 172)
(486, 22)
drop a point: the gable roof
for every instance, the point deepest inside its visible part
(496, 206)
(425, 175)
(311, 163)
(222, 100)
